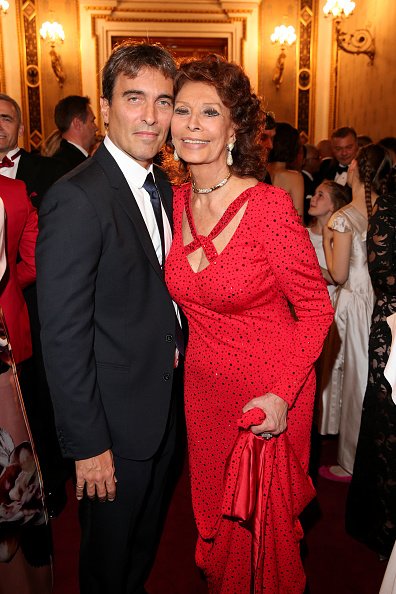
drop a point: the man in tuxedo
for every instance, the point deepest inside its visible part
(109, 327)
(76, 123)
(38, 172)
(345, 147)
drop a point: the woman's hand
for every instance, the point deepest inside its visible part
(275, 409)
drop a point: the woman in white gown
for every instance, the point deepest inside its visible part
(344, 242)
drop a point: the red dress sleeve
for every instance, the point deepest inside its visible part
(294, 264)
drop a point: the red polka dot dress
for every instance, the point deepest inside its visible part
(245, 341)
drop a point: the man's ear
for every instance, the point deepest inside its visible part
(104, 108)
(77, 123)
(21, 130)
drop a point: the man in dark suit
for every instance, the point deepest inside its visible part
(76, 122)
(345, 147)
(109, 327)
(38, 173)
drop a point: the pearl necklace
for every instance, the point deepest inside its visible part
(208, 190)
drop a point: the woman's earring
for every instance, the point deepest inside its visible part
(230, 160)
(175, 156)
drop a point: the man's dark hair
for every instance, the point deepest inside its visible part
(344, 132)
(4, 97)
(129, 58)
(73, 106)
(389, 143)
(270, 122)
(286, 143)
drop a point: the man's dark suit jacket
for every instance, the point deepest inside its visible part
(328, 169)
(108, 322)
(38, 173)
(69, 155)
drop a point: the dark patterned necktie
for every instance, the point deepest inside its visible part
(155, 199)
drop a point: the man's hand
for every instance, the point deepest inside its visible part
(275, 409)
(97, 475)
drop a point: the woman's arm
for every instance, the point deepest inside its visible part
(337, 248)
(293, 262)
(297, 191)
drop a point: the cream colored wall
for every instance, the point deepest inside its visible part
(66, 13)
(281, 101)
(367, 93)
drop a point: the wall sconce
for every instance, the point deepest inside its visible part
(282, 35)
(53, 34)
(359, 42)
(4, 6)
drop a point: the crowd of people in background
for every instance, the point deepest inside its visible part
(343, 190)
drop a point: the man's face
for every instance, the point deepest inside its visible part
(88, 131)
(10, 128)
(139, 114)
(345, 149)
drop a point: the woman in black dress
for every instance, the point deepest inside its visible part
(371, 505)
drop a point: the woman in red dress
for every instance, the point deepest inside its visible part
(239, 258)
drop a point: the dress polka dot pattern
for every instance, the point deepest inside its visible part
(244, 341)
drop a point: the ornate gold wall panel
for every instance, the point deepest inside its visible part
(306, 68)
(2, 75)
(29, 54)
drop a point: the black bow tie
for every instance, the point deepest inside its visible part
(342, 168)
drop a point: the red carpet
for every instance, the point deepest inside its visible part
(334, 562)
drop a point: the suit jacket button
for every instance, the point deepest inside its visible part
(169, 338)
(166, 376)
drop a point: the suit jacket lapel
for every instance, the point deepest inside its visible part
(24, 170)
(127, 200)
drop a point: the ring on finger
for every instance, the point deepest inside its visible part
(266, 435)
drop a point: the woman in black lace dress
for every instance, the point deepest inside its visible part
(371, 505)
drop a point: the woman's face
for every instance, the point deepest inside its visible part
(201, 125)
(321, 203)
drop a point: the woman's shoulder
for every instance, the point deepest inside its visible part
(179, 192)
(273, 205)
(341, 220)
(268, 191)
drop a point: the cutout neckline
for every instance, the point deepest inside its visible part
(206, 241)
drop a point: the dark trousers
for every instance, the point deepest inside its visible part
(119, 538)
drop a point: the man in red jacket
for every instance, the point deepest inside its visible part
(21, 234)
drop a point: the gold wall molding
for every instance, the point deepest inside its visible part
(30, 84)
(237, 22)
(305, 87)
(2, 73)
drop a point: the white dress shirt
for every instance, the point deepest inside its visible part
(136, 175)
(80, 148)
